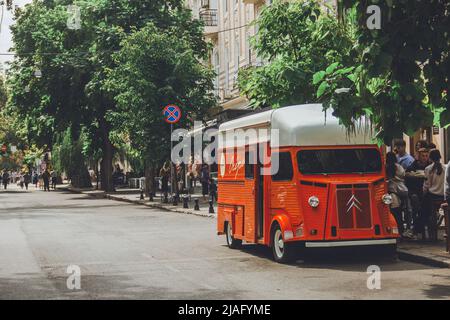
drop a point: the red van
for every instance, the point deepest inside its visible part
(329, 189)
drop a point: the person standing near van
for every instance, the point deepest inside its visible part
(433, 187)
(397, 188)
(403, 158)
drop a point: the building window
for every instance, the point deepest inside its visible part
(216, 63)
(227, 68)
(236, 55)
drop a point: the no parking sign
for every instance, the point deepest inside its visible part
(172, 114)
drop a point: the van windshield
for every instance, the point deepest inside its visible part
(337, 161)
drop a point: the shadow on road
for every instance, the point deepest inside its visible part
(344, 259)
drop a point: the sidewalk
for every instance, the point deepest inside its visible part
(432, 254)
(428, 253)
(133, 196)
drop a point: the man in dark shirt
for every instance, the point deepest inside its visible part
(415, 185)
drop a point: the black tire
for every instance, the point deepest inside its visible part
(231, 241)
(282, 252)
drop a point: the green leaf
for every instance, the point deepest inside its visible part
(345, 70)
(322, 88)
(332, 67)
(318, 77)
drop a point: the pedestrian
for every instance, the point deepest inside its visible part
(433, 188)
(403, 158)
(26, 179)
(204, 179)
(398, 190)
(46, 179)
(212, 190)
(415, 178)
(35, 179)
(164, 173)
(21, 181)
(5, 179)
(54, 176)
(421, 144)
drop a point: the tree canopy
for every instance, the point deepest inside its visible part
(398, 76)
(76, 88)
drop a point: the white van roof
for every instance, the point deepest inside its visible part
(301, 125)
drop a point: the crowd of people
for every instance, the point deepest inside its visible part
(45, 180)
(188, 178)
(418, 185)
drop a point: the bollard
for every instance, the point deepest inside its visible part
(142, 194)
(196, 206)
(211, 207)
(175, 200)
(185, 202)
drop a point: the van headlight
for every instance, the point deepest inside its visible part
(313, 201)
(387, 199)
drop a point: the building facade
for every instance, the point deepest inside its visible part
(228, 27)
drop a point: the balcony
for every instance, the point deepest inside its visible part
(210, 19)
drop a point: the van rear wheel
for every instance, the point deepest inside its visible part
(231, 241)
(283, 252)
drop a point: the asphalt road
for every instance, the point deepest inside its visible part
(128, 251)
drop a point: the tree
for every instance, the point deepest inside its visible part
(399, 76)
(155, 68)
(296, 40)
(75, 65)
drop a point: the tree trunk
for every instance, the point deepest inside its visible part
(107, 158)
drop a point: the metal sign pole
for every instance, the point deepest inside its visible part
(171, 164)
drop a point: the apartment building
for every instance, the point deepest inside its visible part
(228, 28)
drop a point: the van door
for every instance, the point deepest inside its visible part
(251, 190)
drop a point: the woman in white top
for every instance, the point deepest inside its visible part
(397, 188)
(433, 186)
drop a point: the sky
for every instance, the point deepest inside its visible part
(5, 34)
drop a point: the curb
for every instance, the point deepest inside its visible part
(406, 256)
(140, 202)
(160, 206)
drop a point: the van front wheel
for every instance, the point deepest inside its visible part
(231, 241)
(282, 252)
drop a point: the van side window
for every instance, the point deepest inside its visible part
(249, 166)
(285, 168)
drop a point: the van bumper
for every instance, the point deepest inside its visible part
(330, 244)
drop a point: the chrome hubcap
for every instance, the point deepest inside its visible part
(229, 234)
(278, 243)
